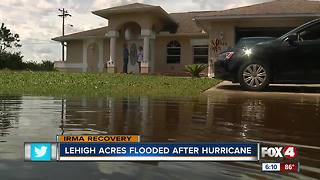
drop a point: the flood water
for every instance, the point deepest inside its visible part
(279, 120)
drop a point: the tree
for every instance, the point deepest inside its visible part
(8, 39)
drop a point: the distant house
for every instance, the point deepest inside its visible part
(171, 41)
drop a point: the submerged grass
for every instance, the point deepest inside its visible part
(94, 84)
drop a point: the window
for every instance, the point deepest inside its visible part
(311, 33)
(200, 54)
(173, 52)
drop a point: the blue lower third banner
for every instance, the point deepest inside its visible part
(157, 152)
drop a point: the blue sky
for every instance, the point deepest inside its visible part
(37, 22)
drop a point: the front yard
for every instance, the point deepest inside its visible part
(94, 84)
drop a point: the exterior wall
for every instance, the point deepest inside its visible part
(74, 51)
(74, 60)
(119, 55)
(161, 65)
(159, 57)
(144, 21)
(92, 53)
(87, 55)
(78, 70)
(106, 53)
(93, 57)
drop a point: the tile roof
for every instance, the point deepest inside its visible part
(185, 22)
(98, 32)
(135, 7)
(277, 7)
(129, 6)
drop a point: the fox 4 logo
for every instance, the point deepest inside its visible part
(289, 152)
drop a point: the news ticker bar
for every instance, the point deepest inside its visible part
(129, 148)
(158, 151)
(61, 151)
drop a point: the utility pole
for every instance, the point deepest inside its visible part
(64, 14)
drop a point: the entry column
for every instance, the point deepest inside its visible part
(113, 35)
(145, 65)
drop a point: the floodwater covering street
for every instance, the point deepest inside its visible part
(272, 120)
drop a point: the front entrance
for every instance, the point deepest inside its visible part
(133, 46)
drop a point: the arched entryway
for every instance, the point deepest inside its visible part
(134, 35)
(93, 57)
(131, 34)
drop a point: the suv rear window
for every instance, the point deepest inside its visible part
(251, 42)
(311, 33)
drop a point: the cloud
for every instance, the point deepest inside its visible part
(102, 4)
(38, 20)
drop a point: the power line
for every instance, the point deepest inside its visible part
(39, 43)
(31, 39)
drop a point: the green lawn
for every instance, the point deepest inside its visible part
(91, 84)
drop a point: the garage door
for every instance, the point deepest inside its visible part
(261, 31)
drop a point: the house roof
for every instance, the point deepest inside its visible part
(186, 23)
(132, 8)
(156, 11)
(98, 32)
(272, 8)
(127, 7)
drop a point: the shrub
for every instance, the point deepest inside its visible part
(195, 69)
(12, 61)
(47, 66)
(35, 66)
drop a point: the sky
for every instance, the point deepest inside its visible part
(37, 21)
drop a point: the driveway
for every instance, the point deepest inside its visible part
(227, 87)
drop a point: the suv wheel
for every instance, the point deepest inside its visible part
(254, 76)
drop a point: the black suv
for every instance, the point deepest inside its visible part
(292, 58)
(242, 48)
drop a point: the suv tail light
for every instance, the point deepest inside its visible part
(229, 55)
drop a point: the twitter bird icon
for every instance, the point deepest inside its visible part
(40, 152)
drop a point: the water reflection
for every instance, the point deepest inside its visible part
(271, 120)
(9, 113)
(203, 119)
